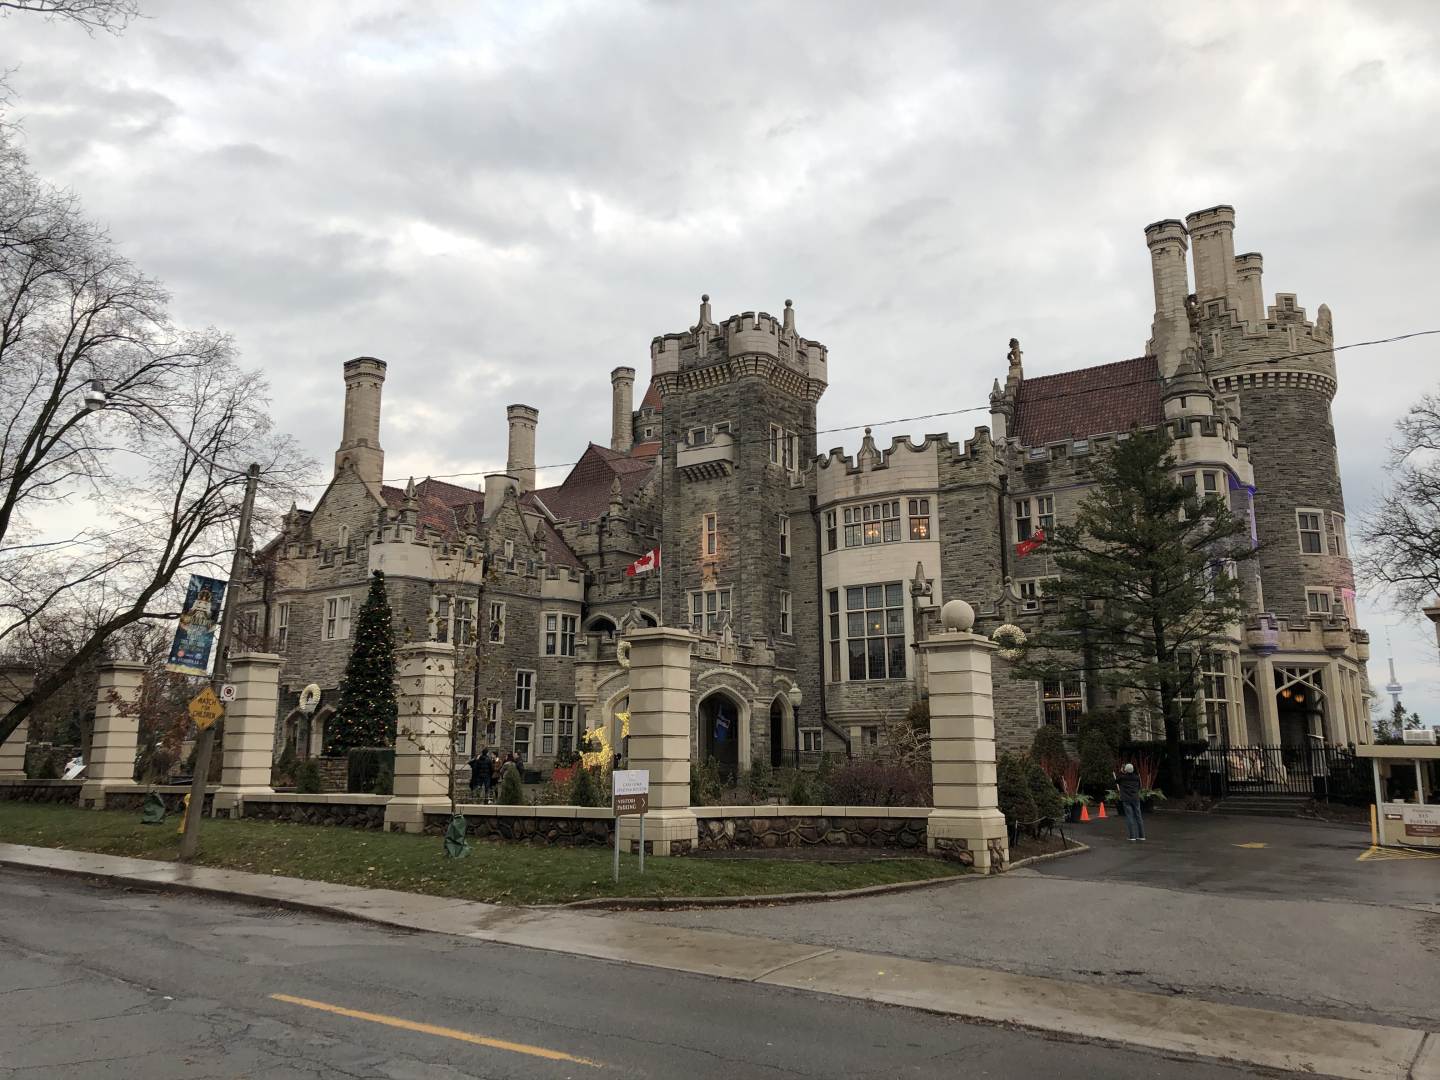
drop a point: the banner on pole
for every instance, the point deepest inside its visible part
(195, 633)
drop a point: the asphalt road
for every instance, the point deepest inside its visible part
(102, 982)
(1290, 921)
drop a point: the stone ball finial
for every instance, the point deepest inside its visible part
(789, 303)
(957, 615)
(705, 298)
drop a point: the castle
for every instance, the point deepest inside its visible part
(809, 577)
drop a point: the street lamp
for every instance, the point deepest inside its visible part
(96, 398)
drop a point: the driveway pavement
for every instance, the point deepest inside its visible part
(1296, 924)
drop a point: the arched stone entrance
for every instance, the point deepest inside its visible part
(721, 715)
(602, 624)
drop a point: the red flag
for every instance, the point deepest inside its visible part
(1025, 547)
(647, 562)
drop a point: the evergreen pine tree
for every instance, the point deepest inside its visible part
(1143, 593)
(366, 713)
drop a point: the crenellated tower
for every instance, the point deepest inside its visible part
(360, 431)
(1273, 370)
(738, 442)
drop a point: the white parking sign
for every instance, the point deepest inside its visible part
(227, 692)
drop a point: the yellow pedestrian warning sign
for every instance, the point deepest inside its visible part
(205, 708)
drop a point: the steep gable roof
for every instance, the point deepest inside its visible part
(651, 400)
(585, 493)
(433, 511)
(1096, 400)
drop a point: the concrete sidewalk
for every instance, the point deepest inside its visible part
(1171, 1025)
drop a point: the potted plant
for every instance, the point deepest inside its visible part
(1069, 777)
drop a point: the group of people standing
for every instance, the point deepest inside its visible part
(486, 768)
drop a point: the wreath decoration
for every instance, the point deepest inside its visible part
(309, 699)
(1011, 640)
(622, 653)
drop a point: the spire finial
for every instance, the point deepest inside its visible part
(410, 490)
(789, 324)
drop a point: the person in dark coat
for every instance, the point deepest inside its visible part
(1128, 784)
(487, 775)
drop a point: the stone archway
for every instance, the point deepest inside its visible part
(722, 716)
(602, 624)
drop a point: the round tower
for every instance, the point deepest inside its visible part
(360, 432)
(1275, 369)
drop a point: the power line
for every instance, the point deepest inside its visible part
(946, 412)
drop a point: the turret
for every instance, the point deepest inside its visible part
(360, 432)
(1170, 328)
(1251, 298)
(622, 409)
(520, 460)
(1212, 232)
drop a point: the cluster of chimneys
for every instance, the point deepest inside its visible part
(1220, 274)
(360, 435)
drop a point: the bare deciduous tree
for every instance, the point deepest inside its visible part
(155, 464)
(111, 16)
(1401, 553)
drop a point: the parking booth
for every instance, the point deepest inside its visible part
(1407, 794)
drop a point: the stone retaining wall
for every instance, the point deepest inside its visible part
(348, 814)
(847, 829)
(41, 791)
(173, 795)
(538, 828)
(334, 774)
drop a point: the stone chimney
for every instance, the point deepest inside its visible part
(622, 409)
(1248, 270)
(1170, 330)
(1212, 233)
(520, 462)
(496, 485)
(360, 433)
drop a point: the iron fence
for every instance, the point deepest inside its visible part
(1320, 772)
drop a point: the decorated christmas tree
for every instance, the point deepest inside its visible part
(366, 713)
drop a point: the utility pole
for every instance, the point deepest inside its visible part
(204, 747)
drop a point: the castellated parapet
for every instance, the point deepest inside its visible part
(747, 337)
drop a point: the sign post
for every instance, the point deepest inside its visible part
(630, 790)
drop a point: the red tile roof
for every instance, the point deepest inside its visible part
(433, 511)
(651, 400)
(646, 450)
(1092, 401)
(585, 493)
(449, 494)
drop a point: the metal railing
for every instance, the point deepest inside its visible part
(1273, 770)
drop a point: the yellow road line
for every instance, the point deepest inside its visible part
(1383, 853)
(442, 1032)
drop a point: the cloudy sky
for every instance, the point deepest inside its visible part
(504, 201)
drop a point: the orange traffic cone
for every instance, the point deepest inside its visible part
(1084, 812)
(1102, 809)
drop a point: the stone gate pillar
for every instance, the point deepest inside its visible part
(249, 748)
(1265, 696)
(966, 824)
(117, 731)
(660, 738)
(15, 683)
(425, 687)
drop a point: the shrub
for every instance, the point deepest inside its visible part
(706, 784)
(1048, 800)
(759, 779)
(363, 766)
(1113, 724)
(512, 790)
(307, 777)
(584, 789)
(876, 783)
(384, 781)
(800, 794)
(46, 766)
(1097, 761)
(918, 715)
(282, 773)
(1012, 784)
(1049, 750)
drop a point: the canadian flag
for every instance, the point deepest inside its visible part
(647, 562)
(1024, 547)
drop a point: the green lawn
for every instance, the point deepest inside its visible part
(500, 873)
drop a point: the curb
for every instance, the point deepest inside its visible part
(1076, 848)
(669, 903)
